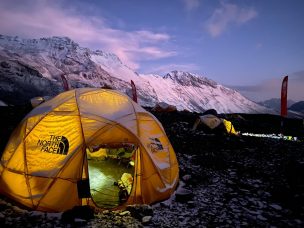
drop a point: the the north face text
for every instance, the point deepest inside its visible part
(55, 145)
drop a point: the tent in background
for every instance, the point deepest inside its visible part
(214, 123)
(82, 147)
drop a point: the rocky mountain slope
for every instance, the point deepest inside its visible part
(33, 67)
(298, 107)
(275, 103)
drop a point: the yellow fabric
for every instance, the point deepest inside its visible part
(46, 155)
(229, 127)
(100, 154)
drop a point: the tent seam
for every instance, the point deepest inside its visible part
(83, 151)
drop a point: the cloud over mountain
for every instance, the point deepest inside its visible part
(228, 15)
(45, 18)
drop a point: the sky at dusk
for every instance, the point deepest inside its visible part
(248, 45)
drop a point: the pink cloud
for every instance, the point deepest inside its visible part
(227, 15)
(48, 19)
(152, 37)
(154, 52)
(191, 4)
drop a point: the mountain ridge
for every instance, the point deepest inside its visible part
(275, 103)
(34, 67)
(297, 106)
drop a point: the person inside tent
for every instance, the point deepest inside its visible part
(212, 123)
(125, 184)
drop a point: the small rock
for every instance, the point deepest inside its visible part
(181, 218)
(18, 210)
(124, 213)
(80, 221)
(54, 215)
(260, 204)
(139, 211)
(165, 204)
(36, 214)
(232, 173)
(183, 195)
(106, 212)
(186, 178)
(252, 212)
(191, 204)
(146, 219)
(230, 182)
(262, 218)
(215, 180)
(298, 221)
(275, 206)
(244, 224)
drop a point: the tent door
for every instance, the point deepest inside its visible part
(111, 172)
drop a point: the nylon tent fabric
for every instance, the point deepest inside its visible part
(229, 127)
(46, 156)
(210, 120)
(213, 122)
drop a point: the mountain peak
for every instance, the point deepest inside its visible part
(189, 79)
(177, 74)
(108, 55)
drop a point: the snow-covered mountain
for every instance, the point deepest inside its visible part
(33, 67)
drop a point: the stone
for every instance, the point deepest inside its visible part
(262, 218)
(260, 204)
(81, 212)
(18, 210)
(106, 212)
(139, 211)
(183, 195)
(186, 178)
(298, 221)
(275, 206)
(80, 221)
(191, 204)
(125, 213)
(146, 220)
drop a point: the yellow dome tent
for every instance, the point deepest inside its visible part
(49, 162)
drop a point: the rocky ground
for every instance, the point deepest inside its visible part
(225, 182)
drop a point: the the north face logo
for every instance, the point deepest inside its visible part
(155, 145)
(55, 145)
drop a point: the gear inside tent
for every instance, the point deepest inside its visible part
(88, 147)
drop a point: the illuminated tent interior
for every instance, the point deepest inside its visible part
(111, 172)
(88, 147)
